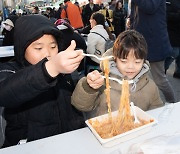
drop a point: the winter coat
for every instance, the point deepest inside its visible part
(119, 16)
(87, 12)
(108, 14)
(8, 39)
(173, 21)
(151, 23)
(95, 42)
(36, 106)
(72, 12)
(146, 94)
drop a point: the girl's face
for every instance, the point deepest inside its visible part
(92, 22)
(130, 66)
(119, 5)
(46, 46)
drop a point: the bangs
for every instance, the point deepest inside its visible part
(127, 43)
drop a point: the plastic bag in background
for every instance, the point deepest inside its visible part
(164, 144)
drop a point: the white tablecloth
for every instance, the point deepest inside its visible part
(82, 141)
(6, 51)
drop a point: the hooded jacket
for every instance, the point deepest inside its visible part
(144, 93)
(173, 21)
(36, 106)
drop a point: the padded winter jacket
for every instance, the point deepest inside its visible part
(144, 92)
(36, 106)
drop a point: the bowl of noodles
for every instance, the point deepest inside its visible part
(119, 126)
(109, 133)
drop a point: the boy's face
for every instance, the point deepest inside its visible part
(129, 67)
(46, 46)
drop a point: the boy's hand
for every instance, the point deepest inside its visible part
(95, 80)
(65, 62)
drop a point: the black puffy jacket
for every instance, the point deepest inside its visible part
(34, 107)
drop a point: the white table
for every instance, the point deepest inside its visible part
(1, 36)
(6, 51)
(82, 141)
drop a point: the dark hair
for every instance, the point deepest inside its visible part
(66, 1)
(99, 18)
(130, 40)
(36, 8)
(117, 3)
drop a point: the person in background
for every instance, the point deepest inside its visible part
(96, 38)
(108, 14)
(112, 5)
(73, 14)
(68, 34)
(8, 30)
(50, 13)
(13, 12)
(77, 4)
(119, 17)
(1, 16)
(173, 24)
(130, 53)
(88, 10)
(149, 18)
(35, 10)
(58, 12)
(36, 88)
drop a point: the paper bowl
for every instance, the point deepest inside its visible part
(127, 135)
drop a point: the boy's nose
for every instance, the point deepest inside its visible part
(48, 54)
(130, 65)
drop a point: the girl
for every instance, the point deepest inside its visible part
(96, 37)
(119, 16)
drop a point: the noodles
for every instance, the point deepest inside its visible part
(123, 121)
(107, 91)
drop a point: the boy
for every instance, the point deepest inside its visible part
(130, 52)
(36, 88)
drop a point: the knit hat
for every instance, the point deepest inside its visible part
(62, 24)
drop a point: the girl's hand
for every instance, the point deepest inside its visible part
(95, 80)
(65, 61)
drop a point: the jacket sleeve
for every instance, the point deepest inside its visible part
(148, 6)
(91, 43)
(84, 98)
(63, 14)
(24, 85)
(156, 99)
